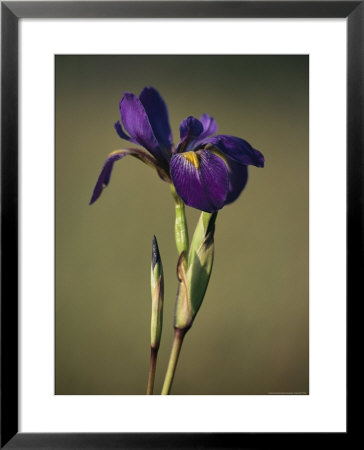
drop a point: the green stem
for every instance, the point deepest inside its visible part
(180, 225)
(179, 334)
(152, 367)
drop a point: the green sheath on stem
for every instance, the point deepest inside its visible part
(180, 225)
(195, 275)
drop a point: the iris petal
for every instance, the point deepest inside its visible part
(157, 113)
(190, 128)
(121, 132)
(190, 131)
(209, 125)
(105, 174)
(237, 149)
(238, 177)
(136, 123)
(203, 185)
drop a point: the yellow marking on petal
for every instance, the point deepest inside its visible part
(192, 158)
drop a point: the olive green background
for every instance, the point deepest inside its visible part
(251, 333)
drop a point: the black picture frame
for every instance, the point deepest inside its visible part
(11, 12)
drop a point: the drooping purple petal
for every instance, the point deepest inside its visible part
(105, 174)
(136, 123)
(238, 177)
(201, 183)
(157, 113)
(209, 125)
(237, 149)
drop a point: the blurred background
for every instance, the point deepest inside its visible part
(251, 333)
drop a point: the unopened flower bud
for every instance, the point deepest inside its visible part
(157, 290)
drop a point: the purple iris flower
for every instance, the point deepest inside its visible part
(207, 171)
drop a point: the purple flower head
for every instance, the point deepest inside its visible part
(207, 171)
(210, 172)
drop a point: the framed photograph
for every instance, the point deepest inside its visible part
(249, 114)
